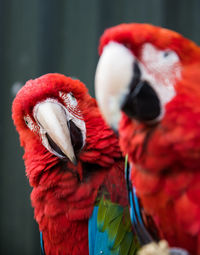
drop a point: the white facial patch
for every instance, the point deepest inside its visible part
(69, 99)
(163, 62)
(161, 68)
(114, 69)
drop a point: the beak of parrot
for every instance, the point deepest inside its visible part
(54, 129)
(113, 76)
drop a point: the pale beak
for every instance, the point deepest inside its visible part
(113, 75)
(52, 119)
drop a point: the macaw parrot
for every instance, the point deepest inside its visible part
(75, 168)
(148, 89)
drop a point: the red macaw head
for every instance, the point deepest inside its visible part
(56, 117)
(47, 109)
(147, 82)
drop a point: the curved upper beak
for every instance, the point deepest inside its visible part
(113, 75)
(52, 118)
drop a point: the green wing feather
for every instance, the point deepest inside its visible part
(115, 220)
(101, 214)
(107, 212)
(112, 230)
(124, 227)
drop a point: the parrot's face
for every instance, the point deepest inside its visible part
(48, 109)
(139, 86)
(138, 70)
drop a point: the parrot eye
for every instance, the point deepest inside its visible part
(167, 53)
(30, 124)
(170, 56)
(26, 121)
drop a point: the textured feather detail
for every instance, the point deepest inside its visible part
(115, 221)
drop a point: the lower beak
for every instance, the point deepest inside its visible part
(51, 117)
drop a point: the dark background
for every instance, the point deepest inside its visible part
(41, 36)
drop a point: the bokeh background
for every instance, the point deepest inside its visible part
(42, 36)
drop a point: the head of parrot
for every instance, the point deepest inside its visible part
(47, 109)
(58, 121)
(147, 79)
(138, 69)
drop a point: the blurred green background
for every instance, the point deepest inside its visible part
(42, 36)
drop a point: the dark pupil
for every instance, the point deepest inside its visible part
(166, 53)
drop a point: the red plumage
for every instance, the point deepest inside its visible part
(166, 156)
(63, 194)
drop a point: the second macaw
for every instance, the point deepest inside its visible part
(148, 88)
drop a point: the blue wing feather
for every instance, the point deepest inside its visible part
(42, 244)
(142, 233)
